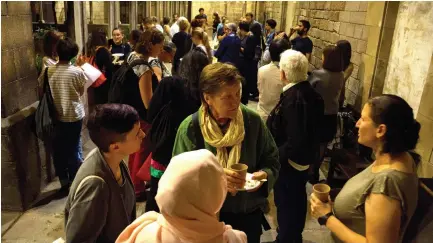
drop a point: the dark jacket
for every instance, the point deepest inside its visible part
(183, 104)
(258, 151)
(184, 44)
(295, 124)
(98, 212)
(229, 48)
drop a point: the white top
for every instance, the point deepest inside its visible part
(48, 62)
(66, 83)
(159, 27)
(270, 88)
(139, 70)
(174, 29)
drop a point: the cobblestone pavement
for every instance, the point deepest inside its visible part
(45, 223)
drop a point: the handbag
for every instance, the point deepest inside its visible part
(46, 114)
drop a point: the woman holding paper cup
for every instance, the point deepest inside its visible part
(237, 136)
(377, 204)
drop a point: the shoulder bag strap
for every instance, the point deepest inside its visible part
(199, 140)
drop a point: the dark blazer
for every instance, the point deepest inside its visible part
(229, 49)
(295, 124)
(98, 212)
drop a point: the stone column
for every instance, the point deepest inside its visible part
(410, 71)
(116, 14)
(111, 19)
(25, 166)
(133, 15)
(79, 22)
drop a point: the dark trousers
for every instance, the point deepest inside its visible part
(329, 130)
(250, 224)
(251, 70)
(291, 201)
(67, 151)
(151, 204)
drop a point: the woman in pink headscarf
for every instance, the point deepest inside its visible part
(190, 194)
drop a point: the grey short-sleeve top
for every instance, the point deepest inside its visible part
(349, 205)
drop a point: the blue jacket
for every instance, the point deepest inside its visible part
(228, 50)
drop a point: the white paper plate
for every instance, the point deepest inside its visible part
(117, 54)
(251, 184)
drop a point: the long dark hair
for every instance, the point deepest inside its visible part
(346, 51)
(402, 130)
(98, 38)
(217, 18)
(191, 66)
(333, 59)
(50, 41)
(256, 29)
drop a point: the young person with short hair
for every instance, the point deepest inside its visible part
(117, 46)
(101, 203)
(302, 42)
(67, 86)
(270, 30)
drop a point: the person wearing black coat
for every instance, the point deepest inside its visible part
(295, 125)
(180, 95)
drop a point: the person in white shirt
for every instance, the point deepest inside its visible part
(269, 83)
(156, 24)
(175, 27)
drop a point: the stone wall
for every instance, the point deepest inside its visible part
(101, 12)
(25, 167)
(333, 21)
(410, 71)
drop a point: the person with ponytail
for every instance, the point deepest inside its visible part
(201, 40)
(377, 204)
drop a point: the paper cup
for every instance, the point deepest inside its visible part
(322, 192)
(241, 169)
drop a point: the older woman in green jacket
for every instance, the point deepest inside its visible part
(235, 134)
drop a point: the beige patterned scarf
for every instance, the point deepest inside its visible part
(213, 135)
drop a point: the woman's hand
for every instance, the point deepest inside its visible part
(234, 181)
(318, 208)
(258, 176)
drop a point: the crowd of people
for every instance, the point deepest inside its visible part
(183, 128)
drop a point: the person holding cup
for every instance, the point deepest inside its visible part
(377, 204)
(237, 135)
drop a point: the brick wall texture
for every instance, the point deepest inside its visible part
(333, 21)
(25, 165)
(18, 72)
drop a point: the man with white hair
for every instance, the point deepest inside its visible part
(175, 27)
(294, 124)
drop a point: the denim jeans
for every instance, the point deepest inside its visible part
(68, 153)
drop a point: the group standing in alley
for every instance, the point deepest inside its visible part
(184, 128)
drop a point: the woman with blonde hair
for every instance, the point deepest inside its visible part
(201, 40)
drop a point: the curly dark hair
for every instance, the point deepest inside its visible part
(402, 130)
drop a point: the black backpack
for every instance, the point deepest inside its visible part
(125, 72)
(46, 114)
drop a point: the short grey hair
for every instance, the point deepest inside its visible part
(232, 26)
(294, 64)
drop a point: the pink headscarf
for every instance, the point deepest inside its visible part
(191, 192)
